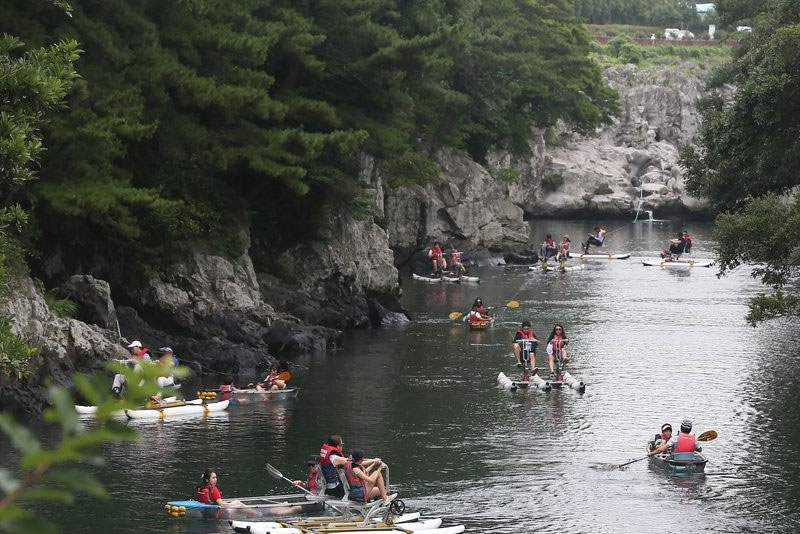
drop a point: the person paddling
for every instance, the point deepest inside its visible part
(271, 382)
(227, 389)
(437, 259)
(310, 483)
(680, 245)
(664, 436)
(685, 441)
(518, 345)
(479, 313)
(208, 492)
(597, 239)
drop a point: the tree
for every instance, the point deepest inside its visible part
(747, 155)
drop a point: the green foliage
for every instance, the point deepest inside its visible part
(410, 168)
(54, 474)
(509, 176)
(15, 354)
(625, 49)
(64, 308)
(748, 152)
(552, 181)
(660, 13)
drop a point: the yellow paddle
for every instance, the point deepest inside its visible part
(511, 304)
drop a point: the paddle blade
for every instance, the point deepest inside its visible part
(455, 315)
(513, 304)
(708, 435)
(286, 375)
(274, 472)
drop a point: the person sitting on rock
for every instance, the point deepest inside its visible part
(548, 249)
(437, 258)
(271, 382)
(596, 239)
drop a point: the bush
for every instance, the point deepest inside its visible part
(15, 354)
(64, 308)
(552, 181)
(509, 176)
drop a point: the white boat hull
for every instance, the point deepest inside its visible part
(535, 382)
(556, 267)
(255, 395)
(267, 527)
(677, 264)
(173, 411)
(447, 279)
(586, 257)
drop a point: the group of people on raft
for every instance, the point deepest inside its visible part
(561, 252)
(276, 379)
(364, 476)
(439, 263)
(165, 357)
(525, 353)
(667, 443)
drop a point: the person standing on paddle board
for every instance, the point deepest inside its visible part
(208, 492)
(596, 239)
(556, 344)
(548, 249)
(525, 332)
(437, 258)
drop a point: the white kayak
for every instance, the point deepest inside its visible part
(556, 267)
(680, 264)
(447, 279)
(358, 529)
(91, 410)
(585, 257)
(172, 411)
(267, 527)
(251, 526)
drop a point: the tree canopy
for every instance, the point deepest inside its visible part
(191, 118)
(748, 153)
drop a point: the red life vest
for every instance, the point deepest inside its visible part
(685, 443)
(525, 335)
(455, 257)
(557, 342)
(352, 479)
(226, 392)
(565, 246)
(549, 243)
(328, 469)
(436, 253)
(204, 494)
(142, 353)
(311, 481)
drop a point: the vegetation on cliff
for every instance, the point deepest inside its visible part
(192, 117)
(748, 153)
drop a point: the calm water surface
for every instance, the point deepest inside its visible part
(652, 345)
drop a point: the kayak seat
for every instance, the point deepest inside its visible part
(683, 456)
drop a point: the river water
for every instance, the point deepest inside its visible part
(653, 346)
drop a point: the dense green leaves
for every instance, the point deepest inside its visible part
(749, 152)
(663, 13)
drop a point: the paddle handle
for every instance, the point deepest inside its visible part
(634, 461)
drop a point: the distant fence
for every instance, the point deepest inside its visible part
(678, 42)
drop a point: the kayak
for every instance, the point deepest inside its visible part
(91, 410)
(258, 526)
(254, 507)
(358, 529)
(585, 257)
(684, 463)
(479, 325)
(255, 395)
(322, 525)
(183, 409)
(447, 279)
(680, 264)
(548, 267)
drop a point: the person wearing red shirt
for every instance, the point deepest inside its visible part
(208, 492)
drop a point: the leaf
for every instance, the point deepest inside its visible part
(63, 410)
(88, 389)
(22, 438)
(79, 481)
(8, 482)
(47, 494)
(26, 523)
